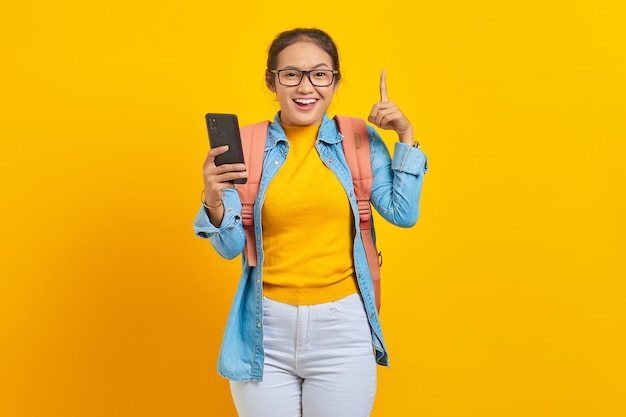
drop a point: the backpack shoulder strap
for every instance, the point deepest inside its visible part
(356, 147)
(253, 138)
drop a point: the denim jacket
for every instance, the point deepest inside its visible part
(395, 196)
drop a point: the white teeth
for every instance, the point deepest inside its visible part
(305, 101)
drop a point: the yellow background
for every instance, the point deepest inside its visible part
(508, 297)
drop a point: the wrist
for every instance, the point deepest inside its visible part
(210, 205)
(407, 136)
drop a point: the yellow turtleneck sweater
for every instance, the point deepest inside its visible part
(307, 228)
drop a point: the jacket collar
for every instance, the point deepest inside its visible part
(328, 133)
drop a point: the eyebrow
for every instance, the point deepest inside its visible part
(314, 67)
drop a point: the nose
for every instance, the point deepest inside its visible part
(305, 85)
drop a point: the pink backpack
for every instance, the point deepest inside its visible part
(356, 149)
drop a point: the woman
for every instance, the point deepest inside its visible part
(300, 333)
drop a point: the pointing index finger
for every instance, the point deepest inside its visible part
(383, 86)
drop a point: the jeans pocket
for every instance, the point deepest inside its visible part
(350, 309)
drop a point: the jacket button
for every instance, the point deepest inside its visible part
(258, 325)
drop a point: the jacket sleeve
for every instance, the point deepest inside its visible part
(397, 182)
(229, 238)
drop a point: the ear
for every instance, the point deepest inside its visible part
(270, 82)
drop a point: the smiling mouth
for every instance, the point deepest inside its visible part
(304, 102)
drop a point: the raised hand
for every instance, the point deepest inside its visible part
(386, 114)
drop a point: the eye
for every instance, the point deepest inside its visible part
(290, 74)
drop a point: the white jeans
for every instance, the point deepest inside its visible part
(319, 362)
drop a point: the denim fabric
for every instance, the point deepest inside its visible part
(395, 196)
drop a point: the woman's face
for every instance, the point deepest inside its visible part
(305, 104)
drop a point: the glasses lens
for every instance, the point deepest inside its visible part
(321, 78)
(289, 78)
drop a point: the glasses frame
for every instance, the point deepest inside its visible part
(308, 75)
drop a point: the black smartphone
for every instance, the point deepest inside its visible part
(224, 130)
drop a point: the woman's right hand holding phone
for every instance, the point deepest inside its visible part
(216, 179)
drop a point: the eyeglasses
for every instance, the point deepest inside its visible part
(293, 78)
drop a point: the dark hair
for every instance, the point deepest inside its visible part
(287, 38)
